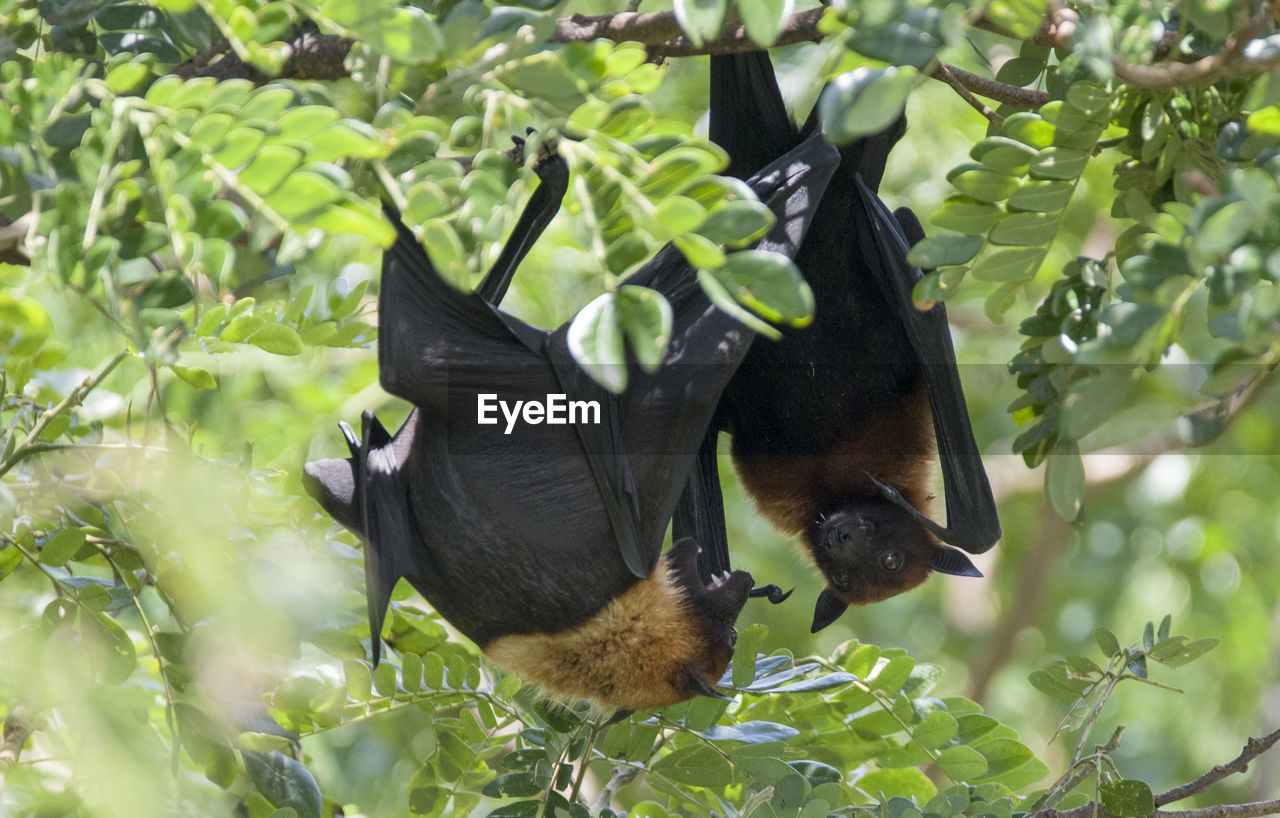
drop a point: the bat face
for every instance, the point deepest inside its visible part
(715, 607)
(870, 550)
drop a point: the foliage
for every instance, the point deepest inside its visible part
(190, 224)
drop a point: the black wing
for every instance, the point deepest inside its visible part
(972, 522)
(750, 121)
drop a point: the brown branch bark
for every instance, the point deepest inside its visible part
(1093, 809)
(1253, 748)
(17, 729)
(319, 56)
(1168, 76)
(1025, 99)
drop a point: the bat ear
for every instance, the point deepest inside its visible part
(827, 610)
(952, 561)
(701, 685)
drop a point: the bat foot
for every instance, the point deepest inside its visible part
(773, 593)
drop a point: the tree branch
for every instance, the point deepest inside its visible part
(17, 729)
(1253, 748)
(1230, 59)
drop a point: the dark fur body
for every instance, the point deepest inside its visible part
(544, 545)
(818, 417)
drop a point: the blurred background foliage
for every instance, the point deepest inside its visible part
(187, 308)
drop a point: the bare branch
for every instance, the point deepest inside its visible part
(802, 27)
(1025, 99)
(17, 729)
(1093, 809)
(946, 73)
(74, 398)
(13, 238)
(1168, 76)
(1253, 748)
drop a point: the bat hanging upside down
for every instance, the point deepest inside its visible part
(543, 545)
(835, 427)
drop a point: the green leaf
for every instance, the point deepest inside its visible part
(1054, 681)
(943, 251)
(1030, 129)
(270, 166)
(911, 40)
(1020, 71)
(277, 339)
(1020, 18)
(700, 251)
(405, 34)
(1016, 265)
(512, 785)
(1190, 653)
(962, 763)
(750, 732)
(737, 223)
(696, 765)
(864, 100)
(61, 547)
(1107, 641)
(302, 192)
(1059, 163)
(677, 215)
(935, 730)
(1064, 479)
(825, 682)
(284, 782)
(359, 677)
(750, 639)
(906, 782)
(1002, 154)
(1041, 196)
(1003, 755)
(194, 375)
(126, 75)
(1025, 229)
(982, 183)
(1089, 97)
(764, 18)
(966, 215)
(595, 341)
(1128, 797)
(1092, 401)
(646, 318)
(700, 19)
(769, 284)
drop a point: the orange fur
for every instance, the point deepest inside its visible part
(896, 446)
(634, 654)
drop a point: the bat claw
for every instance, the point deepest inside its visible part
(773, 593)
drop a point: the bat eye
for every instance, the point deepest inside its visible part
(891, 560)
(733, 637)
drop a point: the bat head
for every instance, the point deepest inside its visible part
(870, 550)
(714, 607)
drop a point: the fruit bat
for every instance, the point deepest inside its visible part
(541, 542)
(834, 427)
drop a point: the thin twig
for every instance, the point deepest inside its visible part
(1025, 99)
(1253, 748)
(1093, 809)
(1230, 59)
(74, 398)
(17, 729)
(945, 73)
